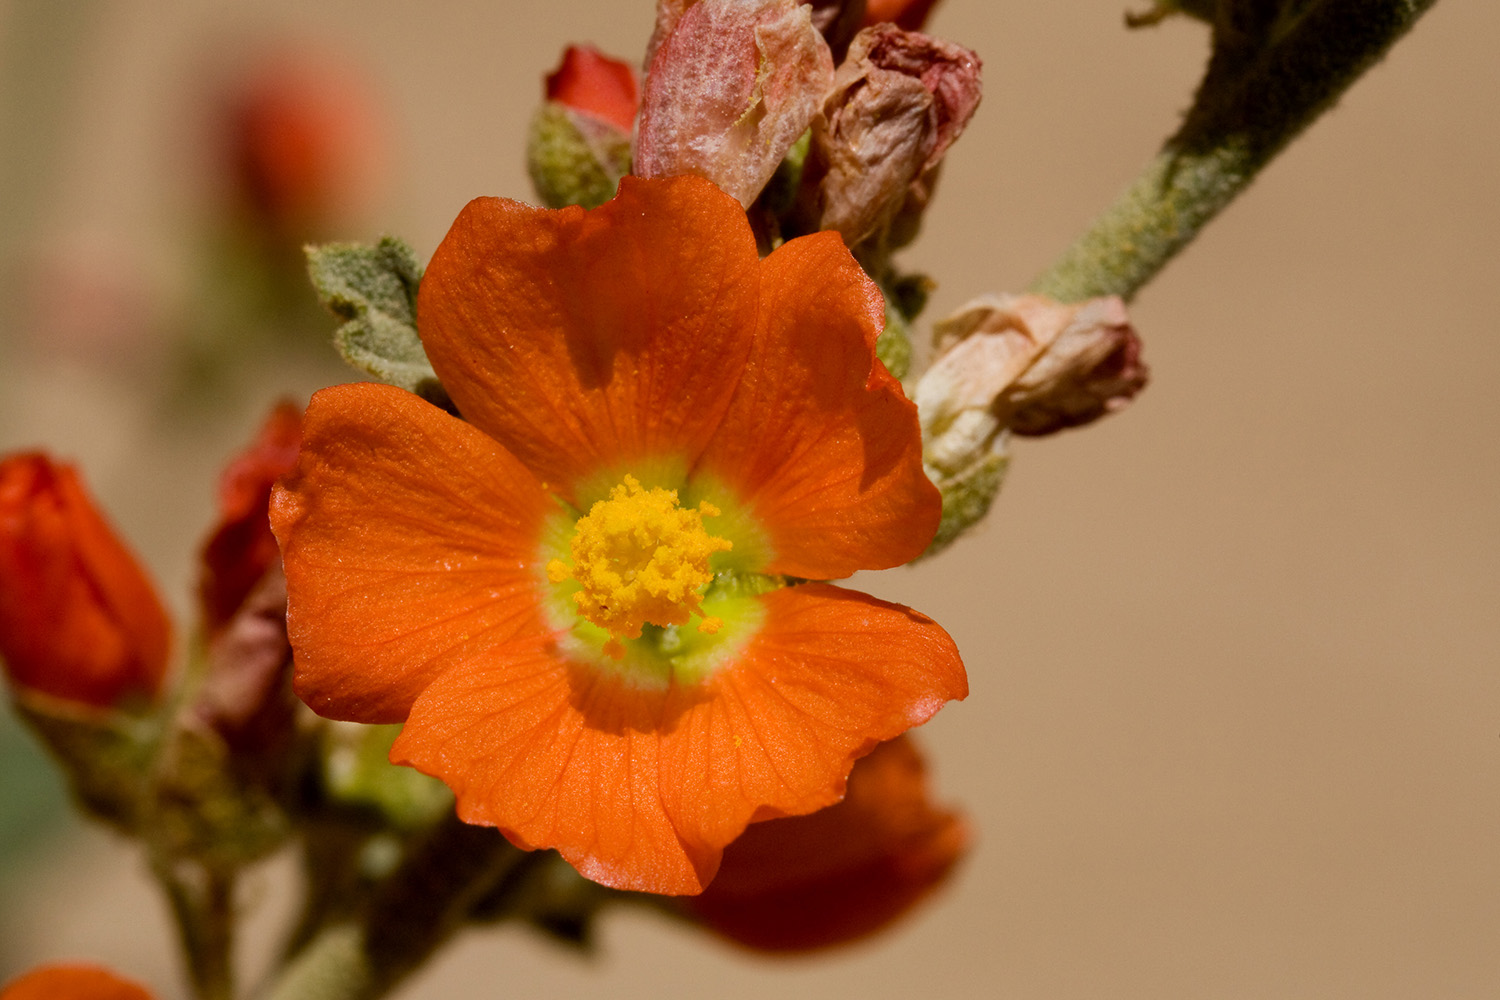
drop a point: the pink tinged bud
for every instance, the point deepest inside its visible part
(1093, 368)
(1028, 364)
(593, 84)
(79, 619)
(730, 90)
(899, 101)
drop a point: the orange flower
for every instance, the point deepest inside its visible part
(79, 619)
(840, 874)
(579, 601)
(242, 548)
(72, 982)
(592, 83)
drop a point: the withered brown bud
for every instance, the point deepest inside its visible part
(731, 88)
(899, 100)
(1033, 365)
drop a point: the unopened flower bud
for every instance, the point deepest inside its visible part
(579, 146)
(898, 102)
(302, 144)
(1023, 364)
(908, 14)
(241, 548)
(840, 874)
(79, 619)
(730, 89)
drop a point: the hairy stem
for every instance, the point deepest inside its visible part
(1274, 70)
(424, 902)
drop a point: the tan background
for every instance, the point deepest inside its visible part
(1235, 722)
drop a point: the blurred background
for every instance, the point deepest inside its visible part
(1235, 721)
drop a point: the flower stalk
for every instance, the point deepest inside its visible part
(1272, 73)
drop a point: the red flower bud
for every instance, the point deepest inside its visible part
(908, 14)
(242, 548)
(302, 145)
(79, 619)
(73, 982)
(593, 84)
(840, 874)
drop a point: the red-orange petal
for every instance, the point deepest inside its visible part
(79, 618)
(585, 341)
(831, 673)
(589, 81)
(242, 548)
(409, 540)
(842, 873)
(73, 982)
(555, 755)
(819, 439)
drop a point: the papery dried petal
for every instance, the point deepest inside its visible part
(1093, 368)
(730, 90)
(842, 873)
(79, 619)
(899, 101)
(1033, 365)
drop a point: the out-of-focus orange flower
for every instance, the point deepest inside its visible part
(242, 548)
(594, 84)
(580, 601)
(79, 619)
(72, 982)
(908, 14)
(302, 144)
(843, 873)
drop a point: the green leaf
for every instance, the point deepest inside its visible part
(374, 289)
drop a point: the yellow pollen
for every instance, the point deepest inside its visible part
(640, 558)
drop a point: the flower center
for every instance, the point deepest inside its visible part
(640, 558)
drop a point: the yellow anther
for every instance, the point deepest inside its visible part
(640, 558)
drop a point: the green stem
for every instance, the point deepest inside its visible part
(203, 907)
(410, 917)
(1272, 73)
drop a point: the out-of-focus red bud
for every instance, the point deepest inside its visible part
(733, 85)
(72, 982)
(79, 619)
(242, 548)
(592, 83)
(899, 100)
(908, 14)
(842, 873)
(302, 145)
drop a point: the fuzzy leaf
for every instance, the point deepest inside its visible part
(374, 289)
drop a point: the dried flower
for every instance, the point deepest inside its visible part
(79, 619)
(585, 602)
(898, 102)
(731, 88)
